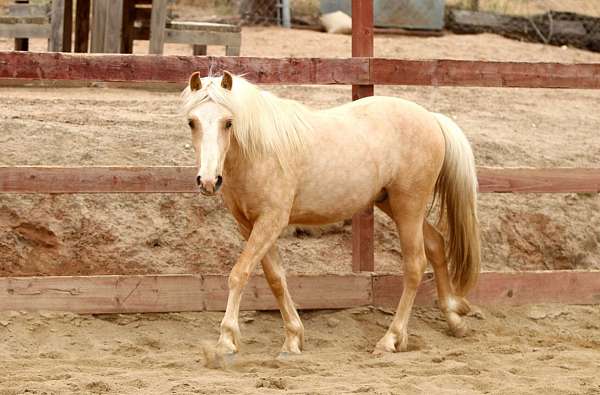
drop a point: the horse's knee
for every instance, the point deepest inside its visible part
(413, 271)
(237, 279)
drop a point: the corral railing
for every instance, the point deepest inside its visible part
(305, 71)
(208, 292)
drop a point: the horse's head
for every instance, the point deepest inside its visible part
(211, 124)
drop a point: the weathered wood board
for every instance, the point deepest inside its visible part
(503, 288)
(163, 179)
(165, 293)
(354, 71)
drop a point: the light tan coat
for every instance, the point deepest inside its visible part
(280, 163)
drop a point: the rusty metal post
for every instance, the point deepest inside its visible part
(363, 258)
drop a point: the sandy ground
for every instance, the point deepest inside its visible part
(527, 350)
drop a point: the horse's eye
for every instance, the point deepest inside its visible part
(191, 123)
(228, 124)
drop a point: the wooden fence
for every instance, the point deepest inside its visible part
(205, 292)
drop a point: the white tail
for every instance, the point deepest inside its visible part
(456, 188)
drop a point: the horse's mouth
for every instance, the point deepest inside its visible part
(206, 192)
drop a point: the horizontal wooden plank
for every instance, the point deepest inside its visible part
(145, 68)
(203, 26)
(164, 293)
(33, 179)
(29, 10)
(172, 179)
(27, 20)
(445, 72)
(356, 71)
(25, 30)
(504, 288)
(202, 37)
(525, 180)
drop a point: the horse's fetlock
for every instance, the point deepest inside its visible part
(230, 326)
(295, 327)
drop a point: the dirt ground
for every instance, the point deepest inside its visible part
(536, 349)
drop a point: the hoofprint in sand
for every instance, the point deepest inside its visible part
(552, 349)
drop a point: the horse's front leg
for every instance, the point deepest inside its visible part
(265, 231)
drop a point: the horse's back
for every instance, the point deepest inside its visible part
(394, 131)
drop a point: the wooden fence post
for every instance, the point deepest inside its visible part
(363, 258)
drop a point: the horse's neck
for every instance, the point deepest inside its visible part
(238, 164)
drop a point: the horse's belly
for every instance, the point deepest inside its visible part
(329, 197)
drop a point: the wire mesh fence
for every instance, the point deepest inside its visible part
(263, 12)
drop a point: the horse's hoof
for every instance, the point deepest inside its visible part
(380, 351)
(228, 358)
(458, 326)
(391, 343)
(283, 355)
(216, 358)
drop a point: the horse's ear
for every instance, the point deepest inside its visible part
(195, 83)
(227, 81)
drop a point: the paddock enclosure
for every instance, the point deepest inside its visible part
(98, 215)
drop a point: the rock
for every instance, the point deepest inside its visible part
(337, 22)
(271, 382)
(332, 322)
(537, 313)
(386, 311)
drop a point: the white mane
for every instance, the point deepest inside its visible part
(262, 122)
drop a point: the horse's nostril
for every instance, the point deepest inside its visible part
(199, 180)
(219, 181)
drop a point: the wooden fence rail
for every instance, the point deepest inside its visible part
(172, 179)
(348, 71)
(165, 293)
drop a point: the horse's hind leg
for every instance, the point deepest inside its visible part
(452, 306)
(294, 330)
(408, 213)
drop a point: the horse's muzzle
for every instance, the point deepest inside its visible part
(209, 187)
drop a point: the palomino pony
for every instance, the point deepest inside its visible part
(278, 162)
